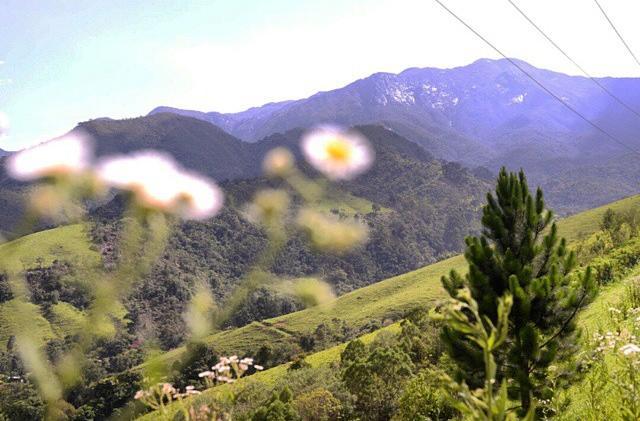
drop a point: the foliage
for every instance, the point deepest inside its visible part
(278, 408)
(376, 380)
(462, 314)
(317, 405)
(424, 399)
(611, 364)
(108, 394)
(20, 401)
(197, 358)
(519, 253)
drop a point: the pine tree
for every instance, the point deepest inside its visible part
(519, 252)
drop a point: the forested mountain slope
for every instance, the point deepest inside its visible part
(487, 113)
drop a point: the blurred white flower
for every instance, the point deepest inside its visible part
(206, 374)
(630, 349)
(159, 182)
(201, 198)
(278, 162)
(149, 174)
(337, 154)
(63, 156)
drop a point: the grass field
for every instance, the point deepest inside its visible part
(590, 320)
(69, 243)
(385, 299)
(271, 376)
(395, 295)
(584, 223)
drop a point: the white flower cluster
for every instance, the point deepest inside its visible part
(229, 369)
(156, 180)
(166, 390)
(624, 338)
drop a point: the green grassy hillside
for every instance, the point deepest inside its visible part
(584, 223)
(387, 299)
(393, 296)
(590, 320)
(69, 243)
(272, 375)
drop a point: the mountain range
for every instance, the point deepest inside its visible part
(484, 115)
(488, 113)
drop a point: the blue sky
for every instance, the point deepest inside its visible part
(65, 61)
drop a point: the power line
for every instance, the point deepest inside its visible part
(618, 33)
(514, 63)
(564, 53)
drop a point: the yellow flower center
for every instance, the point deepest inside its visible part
(338, 149)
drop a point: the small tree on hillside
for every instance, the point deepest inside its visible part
(519, 252)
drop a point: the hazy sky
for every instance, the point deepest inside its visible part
(65, 61)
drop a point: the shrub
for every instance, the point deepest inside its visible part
(424, 399)
(377, 381)
(317, 405)
(278, 408)
(20, 401)
(299, 363)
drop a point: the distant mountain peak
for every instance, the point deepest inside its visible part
(486, 113)
(471, 102)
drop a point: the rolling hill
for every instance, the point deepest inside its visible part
(69, 243)
(390, 299)
(418, 210)
(471, 107)
(385, 300)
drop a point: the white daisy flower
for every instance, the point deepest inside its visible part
(63, 156)
(200, 197)
(337, 154)
(159, 182)
(149, 174)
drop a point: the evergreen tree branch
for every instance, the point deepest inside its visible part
(565, 324)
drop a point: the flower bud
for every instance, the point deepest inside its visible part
(278, 162)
